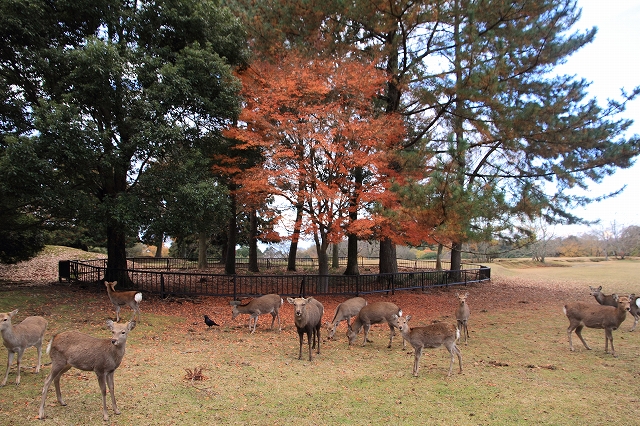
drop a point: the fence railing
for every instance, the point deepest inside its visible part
(167, 281)
(173, 263)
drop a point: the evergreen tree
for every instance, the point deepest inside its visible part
(110, 88)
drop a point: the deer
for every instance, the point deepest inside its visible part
(347, 309)
(87, 353)
(375, 313)
(30, 332)
(430, 336)
(119, 299)
(581, 314)
(267, 304)
(604, 299)
(308, 319)
(462, 315)
(634, 309)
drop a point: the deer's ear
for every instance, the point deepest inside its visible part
(109, 325)
(131, 325)
(12, 313)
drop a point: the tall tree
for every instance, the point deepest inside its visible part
(122, 84)
(503, 136)
(316, 122)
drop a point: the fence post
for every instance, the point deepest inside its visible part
(162, 295)
(235, 288)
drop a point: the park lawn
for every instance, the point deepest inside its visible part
(517, 366)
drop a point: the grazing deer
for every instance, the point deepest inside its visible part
(16, 339)
(462, 315)
(267, 304)
(430, 336)
(119, 299)
(581, 314)
(102, 356)
(347, 309)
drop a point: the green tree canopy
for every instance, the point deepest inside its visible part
(101, 90)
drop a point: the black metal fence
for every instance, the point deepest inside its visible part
(163, 277)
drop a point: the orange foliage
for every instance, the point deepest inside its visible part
(315, 123)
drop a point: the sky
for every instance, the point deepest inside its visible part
(611, 63)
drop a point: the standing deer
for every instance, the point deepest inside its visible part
(375, 313)
(462, 315)
(119, 299)
(347, 309)
(604, 299)
(430, 336)
(267, 304)
(16, 339)
(634, 309)
(102, 356)
(308, 319)
(581, 314)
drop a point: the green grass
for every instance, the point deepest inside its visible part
(517, 369)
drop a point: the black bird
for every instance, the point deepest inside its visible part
(209, 321)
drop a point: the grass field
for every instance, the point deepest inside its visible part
(517, 366)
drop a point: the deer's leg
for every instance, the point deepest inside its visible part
(300, 336)
(47, 382)
(579, 333)
(9, 362)
(416, 360)
(635, 322)
(608, 335)
(366, 328)
(392, 332)
(56, 381)
(39, 349)
(310, 337)
(273, 319)
(113, 395)
(103, 390)
(20, 352)
(117, 313)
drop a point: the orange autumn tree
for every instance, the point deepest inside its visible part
(324, 142)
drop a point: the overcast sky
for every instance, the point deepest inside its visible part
(611, 63)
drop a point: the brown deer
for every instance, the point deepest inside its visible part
(430, 336)
(583, 314)
(87, 353)
(17, 338)
(267, 304)
(307, 315)
(462, 315)
(347, 309)
(119, 299)
(374, 313)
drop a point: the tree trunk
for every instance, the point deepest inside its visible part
(352, 239)
(117, 257)
(159, 245)
(230, 261)
(202, 250)
(352, 256)
(439, 258)
(293, 249)
(253, 242)
(323, 263)
(335, 258)
(388, 263)
(456, 261)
